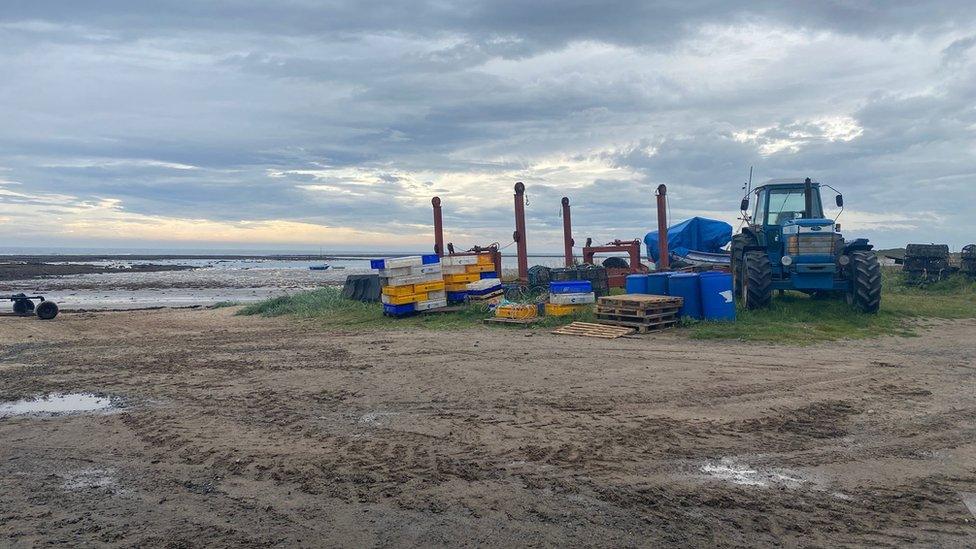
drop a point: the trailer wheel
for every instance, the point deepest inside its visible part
(757, 280)
(23, 306)
(865, 290)
(47, 310)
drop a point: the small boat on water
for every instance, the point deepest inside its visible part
(322, 267)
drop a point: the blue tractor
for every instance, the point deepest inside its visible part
(788, 244)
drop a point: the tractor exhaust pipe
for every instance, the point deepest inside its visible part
(519, 235)
(808, 199)
(663, 259)
(438, 227)
(567, 233)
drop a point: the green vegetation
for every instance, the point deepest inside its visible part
(794, 318)
(797, 318)
(327, 306)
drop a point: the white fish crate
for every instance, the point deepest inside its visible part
(572, 299)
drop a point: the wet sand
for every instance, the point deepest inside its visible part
(241, 431)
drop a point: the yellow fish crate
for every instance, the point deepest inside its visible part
(436, 286)
(399, 291)
(485, 259)
(463, 287)
(517, 311)
(479, 268)
(462, 278)
(553, 309)
(404, 299)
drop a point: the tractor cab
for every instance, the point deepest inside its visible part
(789, 245)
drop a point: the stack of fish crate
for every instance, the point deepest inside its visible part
(569, 297)
(468, 276)
(410, 284)
(486, 290)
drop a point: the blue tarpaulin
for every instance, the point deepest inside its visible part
(696, 234)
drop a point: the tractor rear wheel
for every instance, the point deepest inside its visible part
(865, 289)
(757, 280)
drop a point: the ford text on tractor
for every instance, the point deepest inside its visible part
(788, 244)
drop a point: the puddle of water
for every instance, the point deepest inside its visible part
(57, 404)
(372, 418)
(969, 500)
(90, 479)
(739, 473)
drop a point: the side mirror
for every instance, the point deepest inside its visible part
(840, 200)
(744, 205)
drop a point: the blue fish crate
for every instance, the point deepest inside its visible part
(489, 275)
(456, 297)
(430, 259)
(377, 263)
(399, 310)
(571, 287)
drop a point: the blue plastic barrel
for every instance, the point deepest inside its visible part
(686, 285)
(657, 283)
(717, 298)
(636, 284)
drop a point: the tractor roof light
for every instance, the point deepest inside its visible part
(786, 260)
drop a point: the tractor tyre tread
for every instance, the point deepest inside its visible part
(758, 280)
(865, 293)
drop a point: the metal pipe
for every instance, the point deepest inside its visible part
(808, 199)
(519, 235)
(663, 262)
(567, 233)
(438, 226)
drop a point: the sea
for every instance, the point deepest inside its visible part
(218, 276)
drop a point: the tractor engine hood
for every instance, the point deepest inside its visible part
(808, 226)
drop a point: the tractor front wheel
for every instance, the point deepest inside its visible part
(865, 289)
(756, 277)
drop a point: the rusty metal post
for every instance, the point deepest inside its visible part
(567, 233)
(663, 263)
(519, 235)
(438, 226)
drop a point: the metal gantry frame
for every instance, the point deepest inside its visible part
(617, 276)
(496, 255)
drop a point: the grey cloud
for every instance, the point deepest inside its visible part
(239, 89)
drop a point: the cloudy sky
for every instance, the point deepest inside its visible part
(304, 123)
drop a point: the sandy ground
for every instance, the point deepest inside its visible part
(271, 432)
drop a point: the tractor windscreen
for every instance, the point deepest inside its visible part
(787, 204)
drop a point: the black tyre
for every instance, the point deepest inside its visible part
(739, 243)
(757, 280)
(23, 306)
(865, 289)
(47, 310)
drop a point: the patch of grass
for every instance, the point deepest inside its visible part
(327, 306)
(223, 304)
(794, 318)
(797, 318)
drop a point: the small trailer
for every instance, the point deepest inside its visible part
(24, 306)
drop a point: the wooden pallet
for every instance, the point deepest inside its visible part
(516, 321)
(640, 301)
(637, 315)
(641, 327)
(588, 329)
